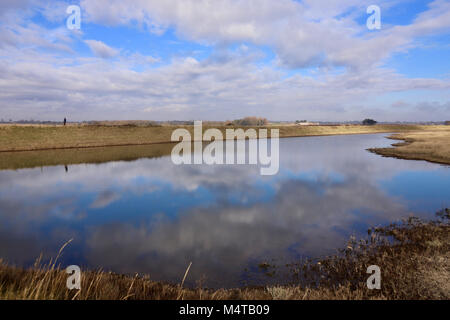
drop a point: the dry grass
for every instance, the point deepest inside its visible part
(53, 157)
(413, 257)
(433, 146)
(43, 145)
(42, 137)
(27, 138)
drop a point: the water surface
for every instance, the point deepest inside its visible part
(152, 217)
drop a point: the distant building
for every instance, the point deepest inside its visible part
(306, 123)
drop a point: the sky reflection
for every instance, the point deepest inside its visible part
(149, 216)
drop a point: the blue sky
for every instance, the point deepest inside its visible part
(217, 60)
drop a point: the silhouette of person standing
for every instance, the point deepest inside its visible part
(65, 121)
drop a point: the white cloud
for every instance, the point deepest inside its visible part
(10, 5)
(229, 83)
(101, 50)
(226, 87)
(302, 34)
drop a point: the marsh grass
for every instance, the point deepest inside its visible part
(406, 253)
(433, 146)
(413, 256)
(44, 137)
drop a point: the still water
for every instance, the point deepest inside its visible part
(152, 217)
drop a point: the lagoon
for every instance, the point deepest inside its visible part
(152, 217)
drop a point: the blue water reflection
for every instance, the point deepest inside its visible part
(150, 216)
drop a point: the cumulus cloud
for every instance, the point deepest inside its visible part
(101, 50)
(343, 63)
(302, 34)
(189, 89)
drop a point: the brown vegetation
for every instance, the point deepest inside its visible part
(251, 121)
(43, 137)
(42, 145)
(433, 146)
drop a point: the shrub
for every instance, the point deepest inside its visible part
(251, 121)
(369, 122)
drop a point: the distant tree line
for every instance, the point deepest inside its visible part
(250, 121)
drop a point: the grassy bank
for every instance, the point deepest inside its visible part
(43, 145)
(54, 157)
(413, 256)
(27, 138)
(433, 146)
